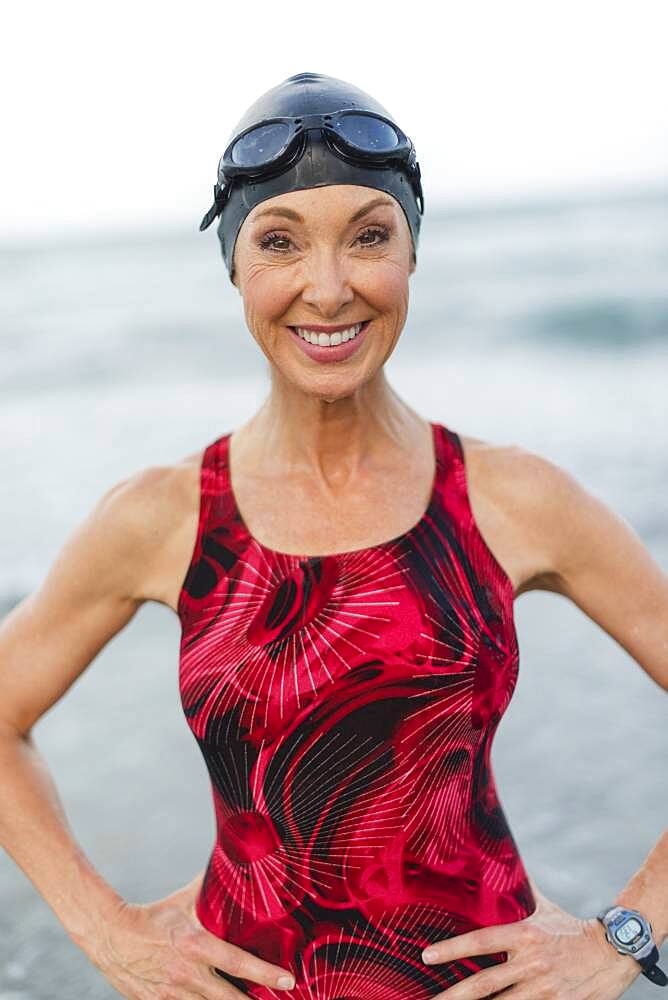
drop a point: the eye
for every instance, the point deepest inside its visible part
(381, 232)
(267, 241)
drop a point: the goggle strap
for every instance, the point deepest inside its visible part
(216, 208)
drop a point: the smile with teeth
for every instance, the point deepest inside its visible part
(328, 339)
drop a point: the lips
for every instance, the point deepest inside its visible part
(338, 352)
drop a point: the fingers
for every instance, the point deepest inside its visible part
(482, 941)
(236, 964)
(211, 984)
(223, 986)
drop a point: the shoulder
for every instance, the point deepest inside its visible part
(142, 520)
(153, 493)
(109, 564)
(535, 501)
(579, 548)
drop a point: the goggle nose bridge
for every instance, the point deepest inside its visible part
(306, 122)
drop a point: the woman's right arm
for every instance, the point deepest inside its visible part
(46, 641)
(106, 569)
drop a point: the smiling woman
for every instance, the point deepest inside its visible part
(348, 645)
(343, 675)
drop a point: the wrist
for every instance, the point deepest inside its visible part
(613, 958)
(91, 903)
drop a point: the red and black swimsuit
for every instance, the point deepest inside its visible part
(345, 707)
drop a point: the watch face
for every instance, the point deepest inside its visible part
(629, 931)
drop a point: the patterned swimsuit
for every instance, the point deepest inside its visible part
(345, 706)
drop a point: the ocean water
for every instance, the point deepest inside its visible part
(544, 324)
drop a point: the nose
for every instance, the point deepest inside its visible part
(327, 284)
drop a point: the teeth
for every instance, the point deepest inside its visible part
(326, 339)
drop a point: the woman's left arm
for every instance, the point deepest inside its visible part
(591, 555)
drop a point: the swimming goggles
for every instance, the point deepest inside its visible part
(268, 148)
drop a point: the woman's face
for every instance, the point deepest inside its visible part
(337, 255)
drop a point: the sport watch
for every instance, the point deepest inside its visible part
(631, 934)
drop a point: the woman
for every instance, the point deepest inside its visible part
(348, 645)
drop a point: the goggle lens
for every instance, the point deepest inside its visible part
(261, 145)
(368, 134)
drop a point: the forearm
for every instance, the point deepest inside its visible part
(647, 890)
(35, 833)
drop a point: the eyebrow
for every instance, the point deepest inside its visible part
(289, 213)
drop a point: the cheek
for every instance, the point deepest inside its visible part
(388, 289)
(267, 298)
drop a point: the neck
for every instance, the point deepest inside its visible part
(299, 432)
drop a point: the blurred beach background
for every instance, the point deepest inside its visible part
(537, 317)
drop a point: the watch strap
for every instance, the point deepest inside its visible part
(651, 969)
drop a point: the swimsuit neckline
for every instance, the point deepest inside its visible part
(389, 543)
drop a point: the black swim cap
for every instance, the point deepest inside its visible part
(313, 94)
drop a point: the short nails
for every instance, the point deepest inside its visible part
(285, 982)
(429, 954)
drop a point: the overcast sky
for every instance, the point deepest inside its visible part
(116, 113)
